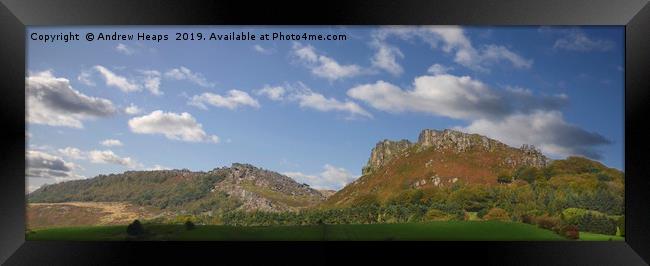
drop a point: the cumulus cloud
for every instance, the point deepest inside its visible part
(109, 157)
(132, 109)
(451, 39)
(275, 93)
(307, 98)
(111, 142)
(85, 78)
(386, 58)
(459, 97)
(310, 99)
(184, 73)
(44, 165)
(72, 153)
(438, 69)
(331, 177)
(576, 40)
(151, 81)
(233, 100)
(52, 101)
(172, 125)
(513, 115)
(321, 65)
(124, 49)
(117, 81)
(547, 130)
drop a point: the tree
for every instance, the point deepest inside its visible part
(135, 228)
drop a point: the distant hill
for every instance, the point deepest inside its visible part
(443, 158)
(239, 187)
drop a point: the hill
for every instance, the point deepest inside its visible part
(239, 187)
(442, 159)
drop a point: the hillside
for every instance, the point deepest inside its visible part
(440, 159)
(239, 187)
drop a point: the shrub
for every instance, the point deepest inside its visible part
(589, 221)
(497, 214)
(437, 215)
(621, 225)
(482, 212)
(547, 222)
(135, 228)
(569, 231)
(528, 218)
(504, 179)
(189, 225)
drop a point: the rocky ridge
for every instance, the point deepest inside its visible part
(450, 140)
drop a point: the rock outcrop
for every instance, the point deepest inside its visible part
(450, 140)
(264, 190)
(385, 151)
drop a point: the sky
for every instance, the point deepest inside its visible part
(313, 109)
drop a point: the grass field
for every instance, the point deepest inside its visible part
(586, 236)
(454, 231)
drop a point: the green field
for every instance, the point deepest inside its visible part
(586, 236)
(468, 230)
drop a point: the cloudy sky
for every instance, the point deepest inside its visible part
(314, 109)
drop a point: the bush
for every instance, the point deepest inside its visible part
(590, 221)
(482, 212)
(497, 214)
(437, 215)
(547, 222)
(189, 225)
(504, 179)
(569, 231)
(135, 228)
(621, 225)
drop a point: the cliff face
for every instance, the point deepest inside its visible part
(383, 152)
(450, 140)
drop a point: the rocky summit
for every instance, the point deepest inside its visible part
(454, 141)
(264, 190)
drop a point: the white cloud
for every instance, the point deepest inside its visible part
(331, 178)
(234, 99)
(274, 93)
(124, 49)
(445, 95)
(44, 165)
(109, 157)
(132, 109)
(576, 40)
(546, 130)
(151, 81)
(117, 81)
(438, 69)
(72, 153)
(323, 66)
(459, 97)
(514, 116)
(453, 40)
(52, 101)
(111, 142)
(85, 78)
(386, 58)
(260, 49)
(310, 99)
(183, 73)
(172, 125)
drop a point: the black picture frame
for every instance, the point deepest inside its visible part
(15, 15)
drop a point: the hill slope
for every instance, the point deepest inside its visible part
(443, 158)
(241, 187)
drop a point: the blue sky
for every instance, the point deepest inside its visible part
(314, 109)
